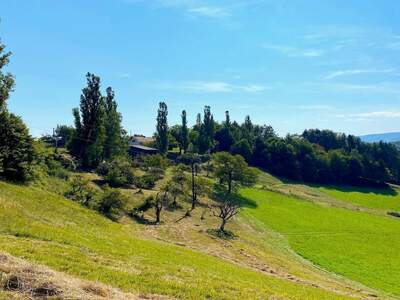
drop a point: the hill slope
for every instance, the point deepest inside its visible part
(43, 227)
(359, 245)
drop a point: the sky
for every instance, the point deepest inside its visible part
(293, 64)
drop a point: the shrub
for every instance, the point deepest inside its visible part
(155, 161)
(146, 205)
(157, 173)
(146, 182)
(117, 172)
(56, 169)
(81, 191)
(111, 203)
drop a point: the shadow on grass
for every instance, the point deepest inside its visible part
(385, 191)
(246, 202)
(225, 235)
(142, 219)
(363, 185)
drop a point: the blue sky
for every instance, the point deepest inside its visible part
(292, 64)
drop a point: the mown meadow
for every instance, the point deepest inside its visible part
(358, 245)
(45, 228)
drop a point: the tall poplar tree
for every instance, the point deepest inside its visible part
(184, 132)
(162, 128)
(88, 142)
(115, 143)
(206, 137)
(227, 119)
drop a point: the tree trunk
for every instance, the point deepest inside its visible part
(174, 202)
(222, 227)
(193, 189)
(158, 213)
(194, 201)
(158, 207)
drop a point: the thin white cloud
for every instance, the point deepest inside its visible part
(394, 45)
(209, 11)
(379, 88)
(203, 86)
(385, 114)
(293, 51)
(195, 8)
(317, 107)
(212, 87)
(124, 75)
(340, 73)
(252, 88)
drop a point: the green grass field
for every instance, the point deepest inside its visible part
(386, 199)
(361, 246)
(45, 228)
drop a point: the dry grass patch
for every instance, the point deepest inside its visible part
(26, 281)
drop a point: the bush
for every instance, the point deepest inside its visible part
(157, 173)
(111, 203)
(146, 205)
(117, 172)
(81, 191)
(56, 169)
(146, 182)
(155, 161)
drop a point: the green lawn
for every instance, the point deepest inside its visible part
(43, 227)
(387, 199)
(361, 246)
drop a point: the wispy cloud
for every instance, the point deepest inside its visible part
(210, 11)
(212, 87)
(385, 114)
(338, 87)
(293, 51)
(317, 107)
(195, 8)
(395, 45)
(340, 73)
(124, 75)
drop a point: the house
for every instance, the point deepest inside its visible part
(137, 146)
(139, 139)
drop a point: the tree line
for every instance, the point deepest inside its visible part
(316, 156)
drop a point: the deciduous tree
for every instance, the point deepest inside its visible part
(17, 153)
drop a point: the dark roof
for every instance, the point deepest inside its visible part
(145, 148)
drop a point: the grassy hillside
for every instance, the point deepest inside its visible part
(43, 227)
(382, 199)
(358, 245)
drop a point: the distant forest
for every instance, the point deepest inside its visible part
(316, 156)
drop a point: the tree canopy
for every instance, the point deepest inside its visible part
(17, 153)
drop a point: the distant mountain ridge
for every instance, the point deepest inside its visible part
(389, 137)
